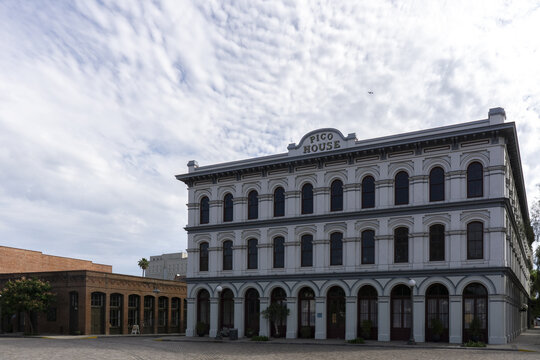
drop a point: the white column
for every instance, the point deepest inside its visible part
(320, 317)
(384, 318)
(455, 318)
(213, 316)
(191, 321)
(292, 319)
(496, 320)
(351, 318)
(239, 316)
(264, 324)
(419, 318)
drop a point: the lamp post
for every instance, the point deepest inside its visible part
(412, 283)
(219, 289)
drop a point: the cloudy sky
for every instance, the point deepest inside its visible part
(103, 102)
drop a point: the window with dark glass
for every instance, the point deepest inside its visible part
(115, 311)
(368, 192)
(368, 247)
(436, 184)
(252, 253)
(279, 202)
(401, 188)
(279, 252)
(336, 248)
(133, 310)
(205, 210)
(336, 195)
(307, 199)
(401, 245)
(203, 257)
(163, 303)
(436, 242)
(227, 255)
(306, 246)
(228, 207)
(475, 180)
(253, 205)
(475, 240)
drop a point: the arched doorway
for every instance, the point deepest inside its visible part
(279, 327)
(97, 320)
(437, 313)
(475, 310)
(148, 314)
(73, 312)
(306, 313)
(116, 310)
(203, 311)
(367, 313)
(226, 310)
(400, 313)
(252, 313)
(335, 312)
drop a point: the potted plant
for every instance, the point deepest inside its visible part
(475, 329)
(366, 329)
(277, 313)
(437, 329)
(249, 332)
(201, 328)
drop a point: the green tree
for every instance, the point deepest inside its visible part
(276, 313)
(143, 264)
(27, 296)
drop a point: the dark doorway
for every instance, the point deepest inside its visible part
(134, 302)
(437, 313)
(163, 313)
(226, 310)
(367, 313)
(306, 313)
(400, 313)
(475, 310)
(335, 311)
(279, 327)
(203, 309)
(97, 318)
(148, 315)
(73, 312)
(115, 313)
(252, 312)
(175, 315)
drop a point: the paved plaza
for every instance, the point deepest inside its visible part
(142, 348)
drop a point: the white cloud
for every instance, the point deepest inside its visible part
(101, 103)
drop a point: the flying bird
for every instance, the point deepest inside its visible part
(370, 92)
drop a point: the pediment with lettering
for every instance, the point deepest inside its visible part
(321, 140)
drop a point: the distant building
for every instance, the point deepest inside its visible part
(167, 266)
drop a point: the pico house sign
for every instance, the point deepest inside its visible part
(321, 140)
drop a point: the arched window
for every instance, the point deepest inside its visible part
(401, 245)
(116, 310)
(475, 240)
(252, 254)
(228, 208)
(306, 246)
(279, 202)
(203, 256)
(253, 205)
(148, 314)
(336, 248)
(368, 192)
(475, 313)
(134, 303)
(475, 180)
(279, 252)
(163, 309)
(436, 242)
(368, 247)
(436, 184)
(336, 195)
(307, 199)
(227, 255)
(401, 188)
(204, 210)
(203, 310)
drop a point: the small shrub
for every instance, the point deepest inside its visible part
(471, 343)
(259, 338)
(356, 341)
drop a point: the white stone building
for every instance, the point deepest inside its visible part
(337, 228)
(167, 266)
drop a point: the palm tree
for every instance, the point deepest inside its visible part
(143, 264)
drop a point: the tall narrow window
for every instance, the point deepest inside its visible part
(436, 242)
(401, 245)
(336, 195)
(368, 192)
(203, 257)
(204, 208)
(227, 255)
(306, 245)
(252, 253)
(475, 240)
(436, 184)
(401, 188)
(368, 247)
(475, 180)
(307, 199)
(228, 207)
(279, 202)
(336, 248)
(253, 205)
(279, 252)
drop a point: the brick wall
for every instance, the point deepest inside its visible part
(14, 260)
